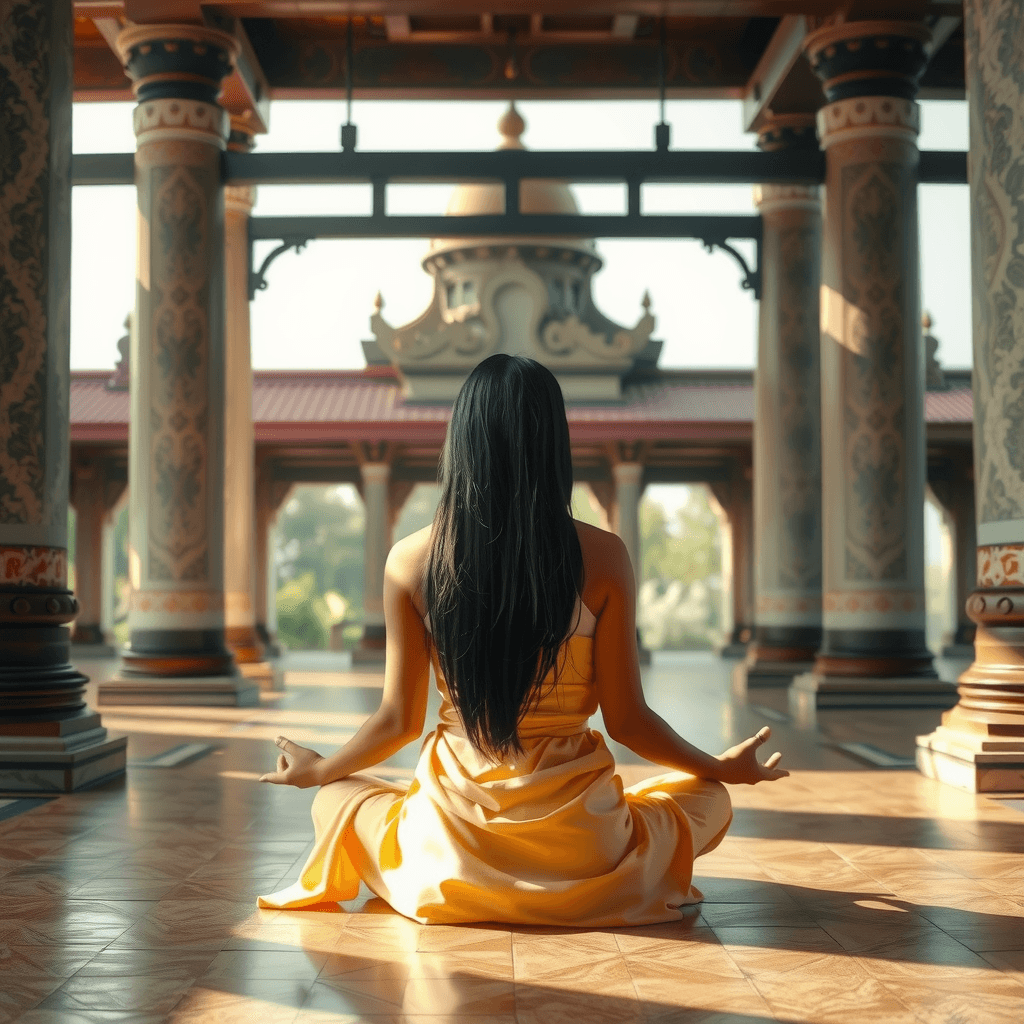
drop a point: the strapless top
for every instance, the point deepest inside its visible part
(567, 699)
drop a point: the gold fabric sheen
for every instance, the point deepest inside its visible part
(552, 838)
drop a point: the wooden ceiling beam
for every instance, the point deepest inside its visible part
(109, 28)
(624, 25)
(246, 93)
(397, 26)
(942, 28)
(777, 62)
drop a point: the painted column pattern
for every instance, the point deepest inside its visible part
(787, 423)
(872, 375)
(177, 645)
(49, 740)
(375, 553)
(239, 463)
(980, 744)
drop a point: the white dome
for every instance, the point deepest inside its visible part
(536, 195)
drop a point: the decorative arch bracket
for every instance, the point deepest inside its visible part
(258, 278)
(751, 280)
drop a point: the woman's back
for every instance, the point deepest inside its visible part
(515, 812)
(574, 687)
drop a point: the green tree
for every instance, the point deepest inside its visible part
(319, 549)
(679, 596)
(303, 615)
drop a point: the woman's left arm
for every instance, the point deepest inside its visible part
(403, 707)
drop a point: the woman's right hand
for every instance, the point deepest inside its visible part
(739, 765)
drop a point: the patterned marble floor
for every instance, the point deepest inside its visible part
(843, 894)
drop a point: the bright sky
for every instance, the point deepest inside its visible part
(316, 309)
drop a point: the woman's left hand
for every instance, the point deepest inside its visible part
(296, 766)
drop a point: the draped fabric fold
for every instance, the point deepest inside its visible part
(552, 838)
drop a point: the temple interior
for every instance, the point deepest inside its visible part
(884, 879)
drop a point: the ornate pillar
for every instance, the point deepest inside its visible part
(873, 651)
(177, 650)
(787, 424)
(735, 498)
(271, 494)
(628, 488)
(87, 498)
(955, 494)
(980, 744)
(239, 461)
(109, 564)
(628, 478)
(50, 741)
(375, 553)
(94, 492)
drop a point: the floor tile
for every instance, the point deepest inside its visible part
(844, 894)
(138, 993)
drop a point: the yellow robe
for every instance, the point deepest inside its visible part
(552, 838)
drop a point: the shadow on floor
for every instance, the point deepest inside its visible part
(878, 830)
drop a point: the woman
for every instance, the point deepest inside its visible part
(515, 812)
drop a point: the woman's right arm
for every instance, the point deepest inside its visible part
(610, 583)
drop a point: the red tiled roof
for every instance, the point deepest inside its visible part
(953, 406)
(349, 405)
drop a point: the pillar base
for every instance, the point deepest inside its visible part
(958, 652)
(733, 649)
(59, 756)
(262, 673)
(973, 762)
(767, 674)
(367, 654)
(813, 690)
(196, 691)
(87, 652)
(271, 648)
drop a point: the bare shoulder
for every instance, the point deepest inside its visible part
(606, 564)
(407, 561)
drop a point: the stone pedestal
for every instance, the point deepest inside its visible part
(371, 647)
(980, 744)
(787, 426)
(177, 651)
(873, 651)
(50, 741)
(735, 499)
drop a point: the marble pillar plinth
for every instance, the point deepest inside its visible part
(201, 691)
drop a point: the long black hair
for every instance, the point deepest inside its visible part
(505, 565)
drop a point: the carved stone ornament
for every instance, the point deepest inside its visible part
(513, 314)
(522, 296)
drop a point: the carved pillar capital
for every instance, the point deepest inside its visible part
(868, 58)
(177, 60)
